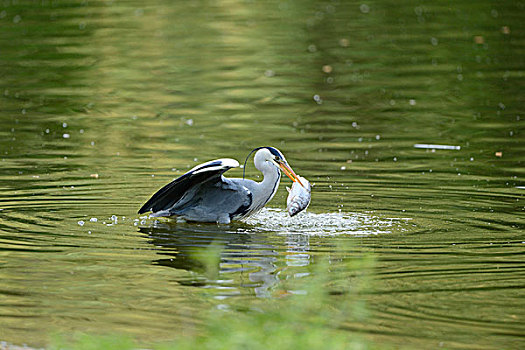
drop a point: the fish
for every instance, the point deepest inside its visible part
(298, 196)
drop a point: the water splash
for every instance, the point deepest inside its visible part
(278, 221)
(272, 219)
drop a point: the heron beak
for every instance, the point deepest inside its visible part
(289, 172)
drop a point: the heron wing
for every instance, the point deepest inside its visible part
(170, 194)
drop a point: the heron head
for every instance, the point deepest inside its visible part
(275, 157)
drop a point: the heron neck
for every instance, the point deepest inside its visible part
(270, 183)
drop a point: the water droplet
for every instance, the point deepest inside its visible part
(364, 8)
(327, 68)
(478, 39)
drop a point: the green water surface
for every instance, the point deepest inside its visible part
(103, 102)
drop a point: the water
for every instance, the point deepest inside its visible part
(103, 102)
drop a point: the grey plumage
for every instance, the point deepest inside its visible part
(203, 194)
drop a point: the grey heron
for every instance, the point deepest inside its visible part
(203, 194)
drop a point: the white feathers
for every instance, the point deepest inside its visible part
(214, 165)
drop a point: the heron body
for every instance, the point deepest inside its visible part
(203, 194)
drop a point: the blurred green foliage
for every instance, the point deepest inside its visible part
(312, 312)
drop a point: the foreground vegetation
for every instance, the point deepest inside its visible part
(314, 313)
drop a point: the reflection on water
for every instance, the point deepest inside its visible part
(247, 259)
(103, 102)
